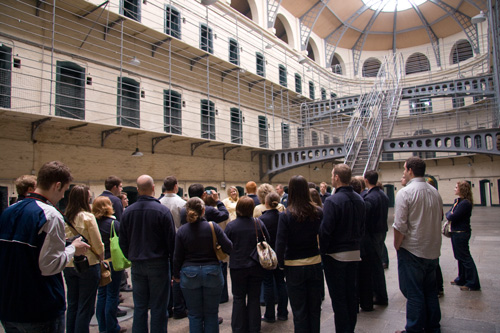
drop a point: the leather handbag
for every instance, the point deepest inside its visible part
(117, 257)
(217, 248)
(447, 229)
(105, 273)
(267, 256)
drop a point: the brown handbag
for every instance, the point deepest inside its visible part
(217, 248)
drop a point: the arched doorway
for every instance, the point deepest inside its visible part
(485, 192)
(389, 190)
(131, 194)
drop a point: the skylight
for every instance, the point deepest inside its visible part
(392, 5)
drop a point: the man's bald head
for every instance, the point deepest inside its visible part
(145, 185)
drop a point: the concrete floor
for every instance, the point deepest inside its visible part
(461, 311)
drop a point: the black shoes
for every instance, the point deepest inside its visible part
(180, 315)
(127, 288)
(121, 313)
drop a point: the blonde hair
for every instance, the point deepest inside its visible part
(465, 190)
(101, 207)
(263, 191)
(194, 209)
(229, 193)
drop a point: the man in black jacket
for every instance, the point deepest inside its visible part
(340, 235)
(147, 238)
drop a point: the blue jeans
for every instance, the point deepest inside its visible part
(80, 295)
(108, 298)
(467, 271)
(151, 281)
(245, 285)
(304, 290)
(202, 287)
(53, 326)
(417, 282)
(341, 280)
(270, 277)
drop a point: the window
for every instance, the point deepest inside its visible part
(282, 73)
(206, 39)
(263, 132)
(371, 67)
(131, 9)
(323, 94)
(173, 22)
(461, 51)
(285, 136)
(336, 65)
(298, 84)
(312, 94)
(419, 106)
(333, 95)
(417, 63)
(458, 102)
(315, 138)
(236, 127)
(261, 65)
(172, 112)
(128, 103)
(326, 139)
(234, 52)
(207, 119)
(70, 90)
(5, 76)
(300, 137)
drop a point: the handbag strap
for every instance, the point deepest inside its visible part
(76, 231)
(112, 232)
(256, 221)
(214, 237)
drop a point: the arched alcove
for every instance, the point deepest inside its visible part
(283, 30)
(461, 51)
(417, 63)
(337, 64)
(371, 67)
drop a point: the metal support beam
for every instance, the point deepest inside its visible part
(252, 84)
(35, 126)
(157, 140)
(226, 150)
(195, 146)
(77, 126)
(156, 45)
(432, 35)
(106, 133)
(195, 60)
(111, 25)
(308, 20)
(272, 12)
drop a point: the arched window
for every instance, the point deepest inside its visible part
(263, 141)
(128, 102)
(261, 64)
(243, 7)
(336, 64)
(131, 9)
(5, 76)
(207, 119)
(283, 75)
(323, 94)
(371, 67)
(70, 90)
(285, 135)
(310, 51)
(234, 52)
(312, 94)
(172, 112)
(280, 30)
(298, 84)
(206, 39)
(172, 22)
(236, 126)
(462, 50)
(417, 63)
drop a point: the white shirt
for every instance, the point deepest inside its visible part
(418, 215)
(175, 203)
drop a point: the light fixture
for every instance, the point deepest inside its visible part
(208, 2)
(137, 153)
(316, 168)
(135, 61)
(479, 18)
(302, 59)
(269, 46)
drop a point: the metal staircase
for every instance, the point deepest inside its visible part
(373, 120)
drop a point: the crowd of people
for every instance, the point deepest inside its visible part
(318, 236)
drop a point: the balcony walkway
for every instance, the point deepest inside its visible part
(461, 311)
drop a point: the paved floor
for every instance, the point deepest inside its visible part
(461, 311)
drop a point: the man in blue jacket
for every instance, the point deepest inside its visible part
(33, 252)
(339, 236)
(147, 236)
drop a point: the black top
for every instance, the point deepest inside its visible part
(376, 218)
(241, 231)
(270, 218)
(323, 197)
(116, 202)
(194, 245)
(460, 218)
(104, 224)
(147, 230)
(255, 198)
(343, 221)
(216, 214)
(297, 240)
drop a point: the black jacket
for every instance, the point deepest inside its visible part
(376, 218)
(217, 215)
(343, 221)
(116, 202)
(460, 218)
(270, 218)
(147, 230)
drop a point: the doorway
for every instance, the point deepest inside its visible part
(389, 190)
(485, 192)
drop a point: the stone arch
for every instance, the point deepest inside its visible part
(284, 30)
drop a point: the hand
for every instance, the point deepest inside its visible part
(177, 280)
(80, 246)
(215, 196)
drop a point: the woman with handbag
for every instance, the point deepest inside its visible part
(197, 268)
(82, 281)
(459, 216)
(245, 269)
(298, 253)
(108, 297)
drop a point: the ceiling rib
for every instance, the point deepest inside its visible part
(272, 12)
(308, 20)
(432, 35)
